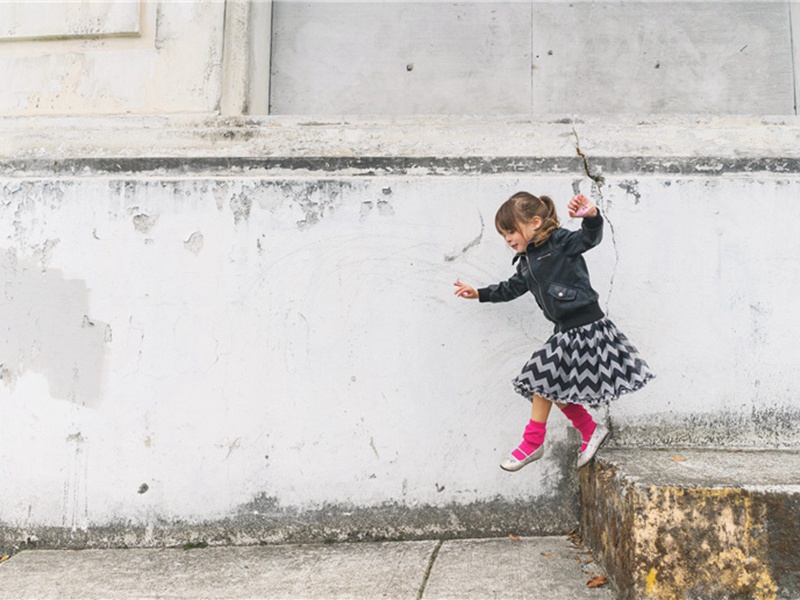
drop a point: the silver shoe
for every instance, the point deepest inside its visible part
(598, 437)
(513, 464)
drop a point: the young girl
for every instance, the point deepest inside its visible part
(587, 361)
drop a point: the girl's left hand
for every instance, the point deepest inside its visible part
(581, 206)
(465, 291)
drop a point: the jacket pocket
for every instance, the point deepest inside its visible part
(562, 292)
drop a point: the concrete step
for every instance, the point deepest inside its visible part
(526, 568)
(704, 524)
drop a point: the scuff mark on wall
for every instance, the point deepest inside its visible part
(469, 245)
(233, 447)
(374, 449)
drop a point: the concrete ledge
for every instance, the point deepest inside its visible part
(639, 138)
(695, 523)
(370, 166)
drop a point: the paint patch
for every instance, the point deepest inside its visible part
(48, 330)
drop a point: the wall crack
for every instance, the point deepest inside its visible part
(605, 206)
(598, 179)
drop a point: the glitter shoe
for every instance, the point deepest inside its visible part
(598, 437)
(511, 463)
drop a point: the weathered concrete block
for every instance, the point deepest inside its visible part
(695, 524)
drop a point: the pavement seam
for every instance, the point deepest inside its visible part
(428, 569)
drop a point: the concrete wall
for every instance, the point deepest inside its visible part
(505, 58)
(261, 344)
(395, 58)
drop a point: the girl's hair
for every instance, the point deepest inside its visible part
(521, 208)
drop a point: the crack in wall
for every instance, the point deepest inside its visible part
(597, 183)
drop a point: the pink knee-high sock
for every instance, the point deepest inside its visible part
(532, 438)
(582, 421)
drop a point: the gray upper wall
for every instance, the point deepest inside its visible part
(538, 58)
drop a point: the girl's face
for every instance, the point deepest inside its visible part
(519, 239)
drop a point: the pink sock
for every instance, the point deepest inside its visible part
(582, 421)
(532, 438)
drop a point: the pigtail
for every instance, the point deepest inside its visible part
(549, 218)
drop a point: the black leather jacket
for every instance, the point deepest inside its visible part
(556, 274)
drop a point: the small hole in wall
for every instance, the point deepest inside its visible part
(143, 488)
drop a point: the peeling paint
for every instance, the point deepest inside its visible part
(631, 186)
(240, 205)
(144, 223)
(195, 242)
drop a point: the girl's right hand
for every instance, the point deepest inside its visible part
(581, 206)
(465, 291)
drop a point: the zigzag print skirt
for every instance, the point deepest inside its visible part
(589, 365)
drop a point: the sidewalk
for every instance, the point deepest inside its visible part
(527, 568)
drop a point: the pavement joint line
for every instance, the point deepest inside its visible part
(428, 569)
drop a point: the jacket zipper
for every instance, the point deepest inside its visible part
(536, 281)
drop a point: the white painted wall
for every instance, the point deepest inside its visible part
(295, 338)
(293, 335)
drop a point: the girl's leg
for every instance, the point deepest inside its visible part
(540, 409)
(581, 420)
(531, 448)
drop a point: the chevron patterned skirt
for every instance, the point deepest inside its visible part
(589, 365)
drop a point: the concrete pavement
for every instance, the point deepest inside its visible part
(550, 567)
